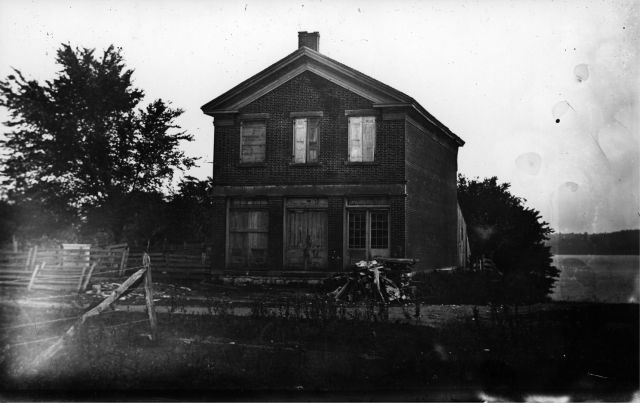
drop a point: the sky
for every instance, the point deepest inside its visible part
(545, 93)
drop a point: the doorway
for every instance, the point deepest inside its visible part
(367, 234)
(306, 234)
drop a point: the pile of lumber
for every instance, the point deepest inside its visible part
(384, 280)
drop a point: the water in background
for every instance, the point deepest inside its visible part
(601, 278)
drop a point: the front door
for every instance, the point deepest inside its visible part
(367, 234)
(306, 235)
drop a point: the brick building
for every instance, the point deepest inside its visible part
(318, 165)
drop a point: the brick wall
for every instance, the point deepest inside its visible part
(335, 233)
(219, 221)
(398, 228)
(423, 225)
(431, 167)
(309, 92)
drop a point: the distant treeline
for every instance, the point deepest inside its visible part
(625, 242)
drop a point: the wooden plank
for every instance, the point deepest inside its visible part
(81, 278)
(32, 259)
(123, 262)
(28, 261)
(52, 280)
(73, 283)
(55, 287)
(70, 269)
(253, 142)
(368, 138)
(16, 282)
(300, 140)
(11, 272)
(35, 273)
(313, 135)
(151, 310)
(88, 277)
(355, 139)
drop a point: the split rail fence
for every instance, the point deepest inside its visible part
(75, 268)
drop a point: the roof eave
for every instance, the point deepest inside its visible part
(239, 88)
(426, 115)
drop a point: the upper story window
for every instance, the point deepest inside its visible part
(253, 141)
(306, 146)
(362, 138)
(306, 137)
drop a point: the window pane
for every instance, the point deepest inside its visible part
(300, 140)
(357, 229)
(379, 230)
(252, 141)
(355, 139)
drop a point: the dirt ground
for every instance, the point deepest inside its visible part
(294, 345)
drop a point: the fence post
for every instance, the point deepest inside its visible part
(123, 261)
(148, 291)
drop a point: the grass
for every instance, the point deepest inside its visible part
(313, 348)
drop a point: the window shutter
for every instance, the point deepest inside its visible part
(368, 138)
(355, 139)
(300, 140)
(253, 142)
(313, 133)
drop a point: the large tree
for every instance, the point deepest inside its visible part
(142, 218)
(83, 140)
(502, 228)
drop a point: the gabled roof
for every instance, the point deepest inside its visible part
(306, 59)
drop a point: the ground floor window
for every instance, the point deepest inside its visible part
(367, 233)
(248, 234)
(379, 223)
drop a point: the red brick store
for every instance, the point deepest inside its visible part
(317, 165)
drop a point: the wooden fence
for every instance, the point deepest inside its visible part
(175, 267)
(74, 269)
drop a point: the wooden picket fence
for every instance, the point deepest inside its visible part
(75, 269)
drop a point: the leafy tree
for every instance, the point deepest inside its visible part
(82, 141)
(501, 228)
(190, 211)
(136, 218)
(142, 218)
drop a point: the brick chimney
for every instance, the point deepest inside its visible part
(309, 39)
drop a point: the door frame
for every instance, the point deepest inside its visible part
(314, 203)
(367, 204)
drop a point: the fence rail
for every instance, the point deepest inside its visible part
(75, 269)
